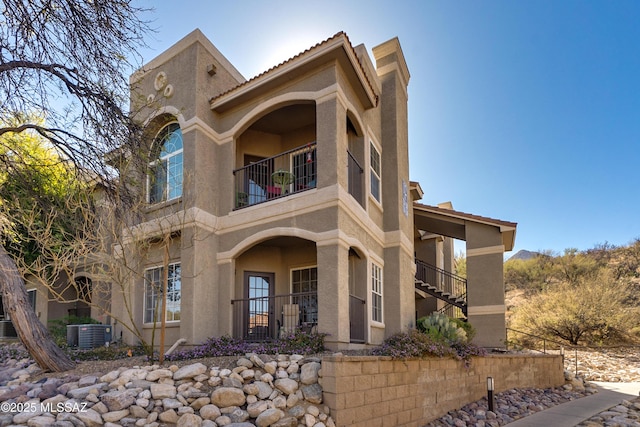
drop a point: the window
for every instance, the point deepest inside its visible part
(374, 160)
(153, 294)
(305, 280)
(376, 293)
(31, 294)
(165, 172)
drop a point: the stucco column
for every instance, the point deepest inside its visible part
(398, 291)
(331, 136)
(222, 289)
(127, 294)
(333, 294)
(485, 284)
(199, 287)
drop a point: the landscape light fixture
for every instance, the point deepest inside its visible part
(490, 388)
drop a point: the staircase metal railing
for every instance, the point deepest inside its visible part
(442, 284)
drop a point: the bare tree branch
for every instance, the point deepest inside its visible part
(67, 62)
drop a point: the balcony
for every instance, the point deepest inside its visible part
(272, 316)
(287, 173)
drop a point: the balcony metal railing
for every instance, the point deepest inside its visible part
(286, 173)
(270, 317)
(357, 321)
(355, 175)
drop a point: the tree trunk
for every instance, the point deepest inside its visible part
(34, 336)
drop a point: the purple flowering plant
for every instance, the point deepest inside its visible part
(416, 344)
(298, 342)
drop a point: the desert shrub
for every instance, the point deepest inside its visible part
(593, 312)
(468, 327)
(298, 342)
(412, 344)
(416, 344)
(112, 352)
(441, 328)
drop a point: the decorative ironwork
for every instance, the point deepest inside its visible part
(278, 176)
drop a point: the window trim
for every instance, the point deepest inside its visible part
(311, 317)
(160, 159)
(144, 296)
(378, 173)
(303, 267)
(377, 291)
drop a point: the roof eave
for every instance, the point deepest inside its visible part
(507, 229)
(340, 41)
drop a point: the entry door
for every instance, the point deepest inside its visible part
(260, 324)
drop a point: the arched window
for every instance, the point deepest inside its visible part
(165, 171)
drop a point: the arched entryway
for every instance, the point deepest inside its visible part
(276, 289)
(276, 155)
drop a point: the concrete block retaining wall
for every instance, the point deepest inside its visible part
(371, 391)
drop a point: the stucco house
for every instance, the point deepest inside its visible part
(284, 201)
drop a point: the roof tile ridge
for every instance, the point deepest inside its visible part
(286, 61)
(364, 73)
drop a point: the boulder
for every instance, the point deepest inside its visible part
(189, 420)
(269, 417)
(156, 374)
(309, 373)
(189, 371)
(228, 396)
(115, 416)
(312, 393)
(287, 385)
(90, 418)
(118, 400)
(210, 412)
(163, 391)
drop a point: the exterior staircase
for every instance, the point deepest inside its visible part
(443, 285)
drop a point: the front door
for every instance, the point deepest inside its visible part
(260, 319)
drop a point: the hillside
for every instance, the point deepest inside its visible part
(524, 255)
(587, 297)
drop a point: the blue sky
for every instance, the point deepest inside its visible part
(526, 111)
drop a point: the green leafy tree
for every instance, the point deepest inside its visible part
(69, 63)
(37, 190)
(460, 264)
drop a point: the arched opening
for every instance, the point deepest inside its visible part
(276, 155)
(164, 180)
(276, 289)
(355, 160)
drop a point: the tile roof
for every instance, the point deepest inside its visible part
(299, 55)
(464, 215)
